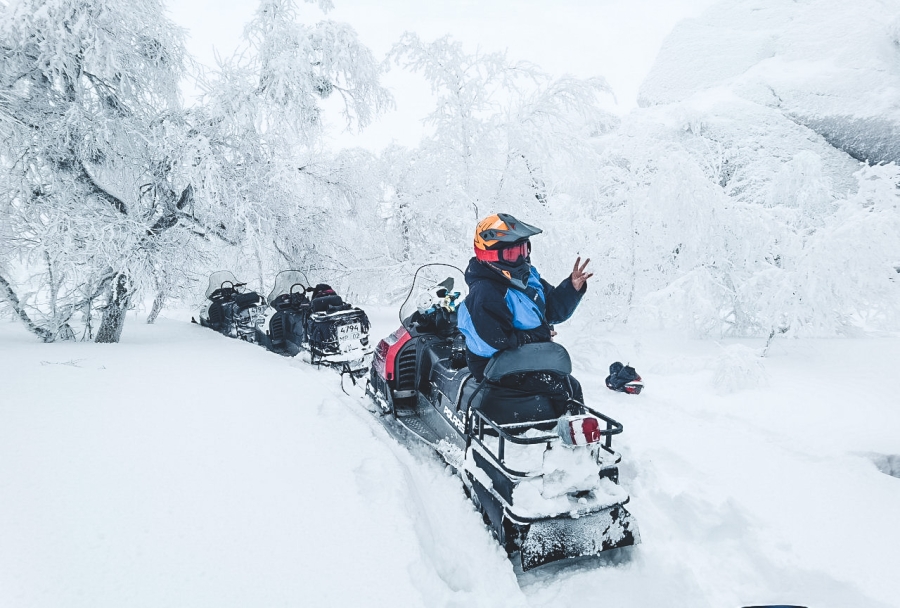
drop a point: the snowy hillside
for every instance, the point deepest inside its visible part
(734, 199)
(829, 65)
(182, 468)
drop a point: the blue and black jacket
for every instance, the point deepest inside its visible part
(497, 316)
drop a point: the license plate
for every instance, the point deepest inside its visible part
(351, 331)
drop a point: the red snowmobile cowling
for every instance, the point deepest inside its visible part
(386, 353)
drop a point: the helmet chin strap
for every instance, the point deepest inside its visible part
(516, 282)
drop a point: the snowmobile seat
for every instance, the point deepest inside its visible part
(246, 300)
(470, 385)
(323, 303)
(505, 404)
(535, 357)
(339, 308)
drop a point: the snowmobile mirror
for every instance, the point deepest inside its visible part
(304, 288)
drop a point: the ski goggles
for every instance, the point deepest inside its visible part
(510, 255)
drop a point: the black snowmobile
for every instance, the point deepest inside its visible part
(232, 310)
(546, 483)
(314, 319)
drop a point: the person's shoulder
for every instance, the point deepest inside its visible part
(485, 287)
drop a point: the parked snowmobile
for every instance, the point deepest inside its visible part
(545, 481)
(231, 310)
(315, 319)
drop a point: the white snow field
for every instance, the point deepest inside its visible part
(183, 468)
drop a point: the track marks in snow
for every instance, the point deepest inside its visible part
(458, 562)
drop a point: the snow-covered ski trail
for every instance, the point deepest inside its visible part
(241, 477)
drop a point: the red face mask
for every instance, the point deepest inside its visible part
(510, 255)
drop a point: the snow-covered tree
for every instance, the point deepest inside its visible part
(711, 225)
(260, 149)
(88, 95)
(110, 187)
(506, 137)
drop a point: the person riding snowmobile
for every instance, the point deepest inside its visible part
(509, 304)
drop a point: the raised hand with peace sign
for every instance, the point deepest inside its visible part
(579, 276)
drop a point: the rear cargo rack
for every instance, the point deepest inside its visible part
(481, 424)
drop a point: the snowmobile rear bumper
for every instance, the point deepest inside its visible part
(549, 540)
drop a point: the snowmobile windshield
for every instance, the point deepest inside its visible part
(288, 281)
(434, 286)
(220, 279)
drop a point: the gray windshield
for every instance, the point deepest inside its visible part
(435, 285)
(288, 281)
(222, 278)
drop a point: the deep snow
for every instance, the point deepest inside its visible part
(182, 468)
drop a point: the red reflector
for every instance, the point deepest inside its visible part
(579, 430)
(591, 429)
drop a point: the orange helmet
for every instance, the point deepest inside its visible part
(500, 231)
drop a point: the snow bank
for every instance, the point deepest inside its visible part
(829, 65)
(763, 494)
(734, 200)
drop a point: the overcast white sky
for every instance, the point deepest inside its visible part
(616, 39)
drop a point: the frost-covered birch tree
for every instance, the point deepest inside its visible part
(726, 227)
(505, 137)
(88, 96)
(111, 188)
(290, 200)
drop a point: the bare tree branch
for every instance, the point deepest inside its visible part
(7, 292)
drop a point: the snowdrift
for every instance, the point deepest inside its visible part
(828, 65)
(735, 202)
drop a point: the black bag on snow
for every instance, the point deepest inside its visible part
(624, 379)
